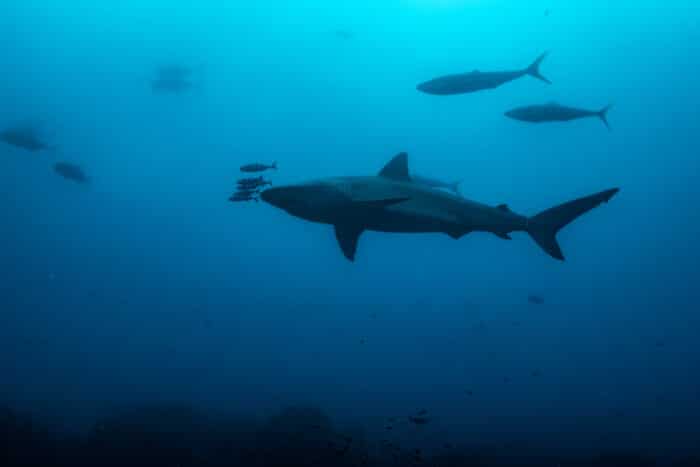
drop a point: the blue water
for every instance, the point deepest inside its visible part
(147, 285)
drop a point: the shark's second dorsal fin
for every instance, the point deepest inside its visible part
(397, 168)
(503, 207)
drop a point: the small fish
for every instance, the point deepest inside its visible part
(70, 172)
(254, 182)
(419, 420)
(422, 412)
(247, 191)
(554, 112)
(171, 85)
(238, 197)
(535, 299)
(434, 183)
(256, 167)
(479, 80)
(25, 138)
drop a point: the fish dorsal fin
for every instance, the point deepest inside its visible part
(347, 236)
(397, 168)
(503, 207)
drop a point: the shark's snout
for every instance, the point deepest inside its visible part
(272, 196)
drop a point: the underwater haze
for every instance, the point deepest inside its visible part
(130, 280)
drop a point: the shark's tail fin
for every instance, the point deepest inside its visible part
(603, 115)
(544, 226)
(274, 165)
(534, 69)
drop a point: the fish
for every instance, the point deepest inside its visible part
(71, 172)
(434, 183)
(419, 420)
(237, 197)
(555, 112)
(26, 138)
(253, 182)
(535, 299)
(479, 80)
(391, 202)
(258, 167)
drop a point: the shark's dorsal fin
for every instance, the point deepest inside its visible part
(503, 207)
(347, 236)
(397, 168)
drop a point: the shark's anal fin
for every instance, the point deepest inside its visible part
(347, 236)
(397, 168)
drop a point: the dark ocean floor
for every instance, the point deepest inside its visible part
(178, 435)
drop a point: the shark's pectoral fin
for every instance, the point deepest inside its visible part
(347, 236)
(457, 234)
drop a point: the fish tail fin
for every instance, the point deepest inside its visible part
(603, 115)
(274, 165)
(534, 69)
(544, 226)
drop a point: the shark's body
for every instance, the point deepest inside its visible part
(479, 80)
(435, 183)
(392, 202)
(554, 112)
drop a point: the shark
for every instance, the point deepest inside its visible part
(392, 202)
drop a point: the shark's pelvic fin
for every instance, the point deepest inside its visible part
(397, 168)
(347, 236)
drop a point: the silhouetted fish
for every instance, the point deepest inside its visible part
(24, 138)
(479, 80)
(554, 112)
(258, 167)
(535, 299)
(419, 420)
(435, 183)
(238, 197)
(70, 172)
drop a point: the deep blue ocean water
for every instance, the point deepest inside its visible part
(148, 286)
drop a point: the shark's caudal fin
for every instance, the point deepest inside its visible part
(534, 69)
(274, 165)
(603, 115)
(544, 226)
